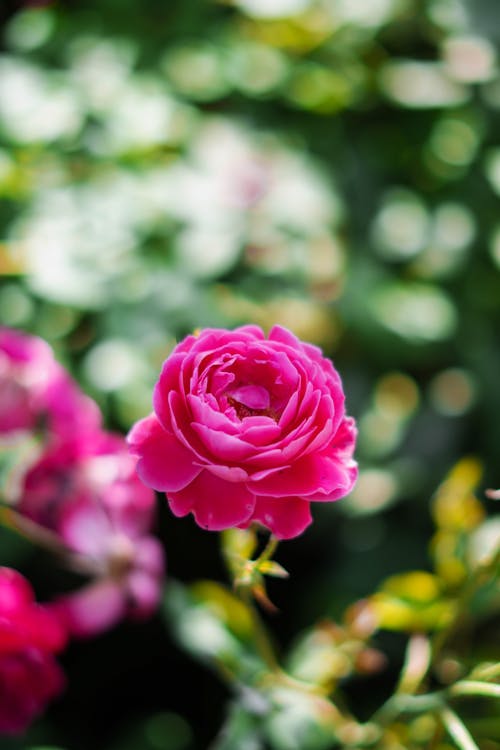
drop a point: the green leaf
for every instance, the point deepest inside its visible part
(299, 721)
(224, 605)
(274, 569)
(241, 731)
(205, 627)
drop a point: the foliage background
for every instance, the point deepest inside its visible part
(330, 165)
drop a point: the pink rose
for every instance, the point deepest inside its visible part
(30, 635)
(87, 492)
(37, 393)
(247, 429)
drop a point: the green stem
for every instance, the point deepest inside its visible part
(486, 671)
(261, 637)
(25, 527)
(243, 588)
(416, 665)
(398, 704)
(405, 703)
(475, 687)
(476, 580)
(268, 551)
(47, 539)
(457, 730)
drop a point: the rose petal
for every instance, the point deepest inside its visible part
(214, 339)
(204, 412)
(181, 425)
(345, 437)
(310, 475)
(284, 336)
(15, 591)
(260, 431)
(286, 517)
(251, 330)
(168, 381)
(290, 411)
(228, 473)
(35, 626)
(252, 396)
(145, 591)
(222, 446)
(25, 624)
(164, 463)
(28, 681)
(150, 556)
(322, 438)
(215, 503)
(85, 528)
(93, 609)
(347, 473)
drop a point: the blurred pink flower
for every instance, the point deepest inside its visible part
(36, 393)
(247, 428)
(88, 494)
(30, 635)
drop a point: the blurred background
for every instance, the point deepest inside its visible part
(330, 165)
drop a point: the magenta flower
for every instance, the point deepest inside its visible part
(247, 429)
(88, 494)
(37, 393)
(30, 635)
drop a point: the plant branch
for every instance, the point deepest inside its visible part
(475, 687)
(476, 580)
(457, 730)
(268, 551)
(47, 539)
(261, 638)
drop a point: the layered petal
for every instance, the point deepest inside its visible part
(347, 473)
(239, 415)
(30, 635)
(285, 517)
(284, 336)
(311, 475)
(164, 463)
(23, 622)
(85, 527)
(215, 503)
(36, 391)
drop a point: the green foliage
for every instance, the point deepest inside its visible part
(303, 705)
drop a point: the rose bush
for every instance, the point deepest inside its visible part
(36, 392)
(87, 493)
(247, 428)
(30, 635)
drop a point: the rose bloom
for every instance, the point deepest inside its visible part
(30, 635)
(36, 393)
(247, 428)
(87, 493)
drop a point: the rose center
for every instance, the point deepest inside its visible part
(251, 401)
(121, 555)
